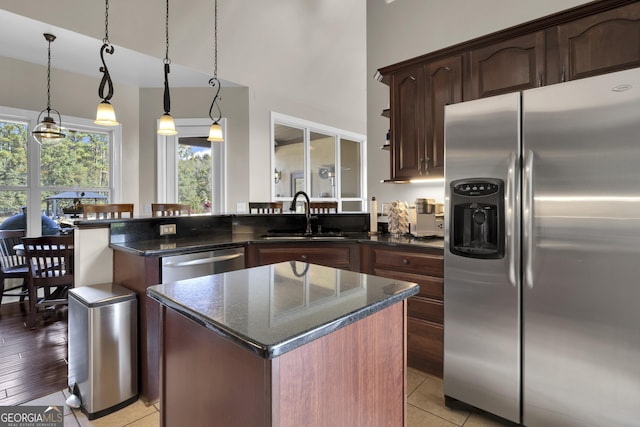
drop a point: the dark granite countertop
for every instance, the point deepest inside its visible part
(173, 246)
(276, 308)
(180, 245)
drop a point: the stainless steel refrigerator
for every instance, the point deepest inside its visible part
(542, 253)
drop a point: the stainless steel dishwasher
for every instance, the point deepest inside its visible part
(188, 266)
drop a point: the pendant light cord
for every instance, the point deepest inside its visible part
(214, 82)
(106, 23)
(167, 61)
(215, 40)
(106, 47)
(49, 39)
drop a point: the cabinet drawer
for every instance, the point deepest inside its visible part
(430, 287)
(425, 309)
(425, 346)
(409, 262)
(332, 255)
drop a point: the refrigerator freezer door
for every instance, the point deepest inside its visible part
(482, 296)
(581, 260)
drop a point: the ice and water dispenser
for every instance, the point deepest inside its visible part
(477, 218)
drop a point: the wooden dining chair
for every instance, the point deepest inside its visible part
(170, 209)
(107, 211)
(323, 207)
(50, 262)
(12, 265)
(265, 207)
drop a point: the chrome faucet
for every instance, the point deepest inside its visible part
(307, 209)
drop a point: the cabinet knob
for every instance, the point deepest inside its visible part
(405, 261)
(304, 257)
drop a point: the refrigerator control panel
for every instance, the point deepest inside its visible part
(476, 188)
(477, 218)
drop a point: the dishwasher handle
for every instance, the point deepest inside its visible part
(200, 261)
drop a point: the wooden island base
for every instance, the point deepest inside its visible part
(355, 376)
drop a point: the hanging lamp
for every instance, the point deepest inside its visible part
(105, 114)
(215, 131)
(48, 131)
(167, 126)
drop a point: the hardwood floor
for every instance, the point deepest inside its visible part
(33, 363)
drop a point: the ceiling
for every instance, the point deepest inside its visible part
(23, 40)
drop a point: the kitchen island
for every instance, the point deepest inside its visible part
(287, 344)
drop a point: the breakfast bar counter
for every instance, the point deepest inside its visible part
(286, 344)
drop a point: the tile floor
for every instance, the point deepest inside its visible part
(425, 408)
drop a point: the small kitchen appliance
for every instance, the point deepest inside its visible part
(429, 219)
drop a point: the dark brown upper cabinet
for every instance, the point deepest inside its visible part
(507, 66)
(595, 38)
(407, 122)
(443, 86)
(598, 44)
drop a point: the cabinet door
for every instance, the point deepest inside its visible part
(598, 44)
(443, 86)
(407, 123)
(507, 66)
(337, 255)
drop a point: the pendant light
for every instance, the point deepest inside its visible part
(215, 131)
(47, 130)
(167, 126)
(105, 115)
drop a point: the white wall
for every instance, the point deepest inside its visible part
(405, 29)
(304, 58)
(312, 59)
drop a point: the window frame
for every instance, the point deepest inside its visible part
(34, 189)
(167, 162)
(339, 134)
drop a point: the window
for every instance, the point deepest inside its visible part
(191, 169)
(325, 162)
(46, 179)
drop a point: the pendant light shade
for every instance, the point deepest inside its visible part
(105, 114)
(166, 125)
(47, 131)
(215, 131)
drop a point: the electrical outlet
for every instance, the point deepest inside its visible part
(166, 229)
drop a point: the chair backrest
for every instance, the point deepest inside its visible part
(107, 211)
(323, 207)
(170, 209)
(265, 207)
(50, 260)
(8, 256)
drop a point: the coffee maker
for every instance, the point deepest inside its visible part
(429, 219)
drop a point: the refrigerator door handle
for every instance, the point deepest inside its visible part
(510, 219)
(527, 220)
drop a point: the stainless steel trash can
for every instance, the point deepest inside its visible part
(103, 348)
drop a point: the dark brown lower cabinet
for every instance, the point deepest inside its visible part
(354, 376)
(425, 311)
(344, 255)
